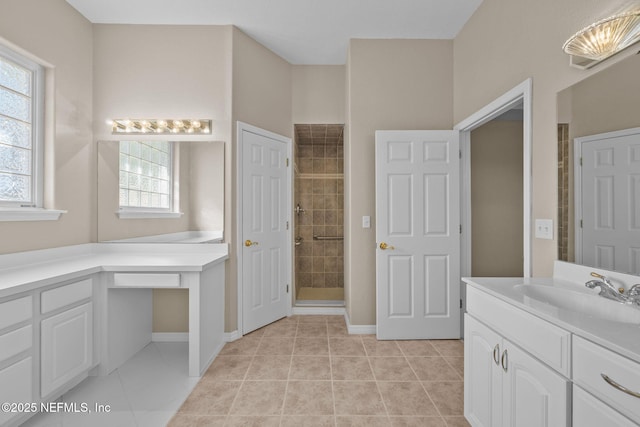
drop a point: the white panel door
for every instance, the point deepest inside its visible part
(266, 259)
(417, 234)
(610, 206)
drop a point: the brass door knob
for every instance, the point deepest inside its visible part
(384, 246)
(249, 243)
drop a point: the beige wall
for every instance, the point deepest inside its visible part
(490, 59)
(392, 84)
(55, 33)
(607, 101)
(318, 93)
(496, 199)
(206, 186)
(262, 98)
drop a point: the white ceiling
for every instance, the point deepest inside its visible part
(300, 31)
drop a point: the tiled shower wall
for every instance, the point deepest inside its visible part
(563, 192)
(319, 189)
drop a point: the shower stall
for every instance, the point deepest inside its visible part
(319, 215)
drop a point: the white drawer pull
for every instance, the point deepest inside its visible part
(623, 389)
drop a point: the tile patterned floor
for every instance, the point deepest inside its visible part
(306, 371)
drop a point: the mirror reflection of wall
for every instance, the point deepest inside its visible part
(197, 171)
(606, 101)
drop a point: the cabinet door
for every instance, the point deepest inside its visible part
(482, 376)
(67, 347)
(533, 394)
(591, 412)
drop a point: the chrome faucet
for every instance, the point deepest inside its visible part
(634, 294)
(607, 289)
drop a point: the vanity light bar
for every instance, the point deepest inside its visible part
(173, 126)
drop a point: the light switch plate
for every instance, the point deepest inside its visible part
(544, 229)
(366, 221)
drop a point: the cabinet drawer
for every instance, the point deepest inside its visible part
(146, 280)
(591, 412)
(591, 361)
(15, 311)
(66, 295)
(542, 339)
(16, 386)
(15, 342)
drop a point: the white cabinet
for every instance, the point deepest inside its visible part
(608, 376)
(66, 347)
(482, 374)
(504, 386)
(16, 387)
(66, 338)
(16, 354)
(591, 412)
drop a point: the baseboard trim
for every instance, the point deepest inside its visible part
(332, 311)
(359, 329)
(231, 336)
(213, 357)
(170, 337)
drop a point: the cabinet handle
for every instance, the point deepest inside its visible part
(623, 389)
(505, 360)
(496, 354)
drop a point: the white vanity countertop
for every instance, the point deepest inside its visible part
(25, 271)
(623, 338)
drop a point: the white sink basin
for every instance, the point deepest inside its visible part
(588, 304)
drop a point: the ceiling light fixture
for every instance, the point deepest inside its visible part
(159, 126)
(603, 39)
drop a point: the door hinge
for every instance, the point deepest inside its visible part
(460, 228)
(287, 162)
(459, 154)
(287, 288)
(580, 223)
(580, 161)
(287, 225)
(460, 303)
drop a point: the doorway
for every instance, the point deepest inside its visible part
(519, 95)
(318, 220)
(496, 196)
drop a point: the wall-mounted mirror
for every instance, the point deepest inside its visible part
(605, 102)
(159, 191)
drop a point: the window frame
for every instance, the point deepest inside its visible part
(37, 130)
(173, 211)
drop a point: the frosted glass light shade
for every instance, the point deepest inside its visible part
(604, 38)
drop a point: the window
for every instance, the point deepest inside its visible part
(21, 131)
(146, 177)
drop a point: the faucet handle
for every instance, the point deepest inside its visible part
(634, 290)
(599, 276)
